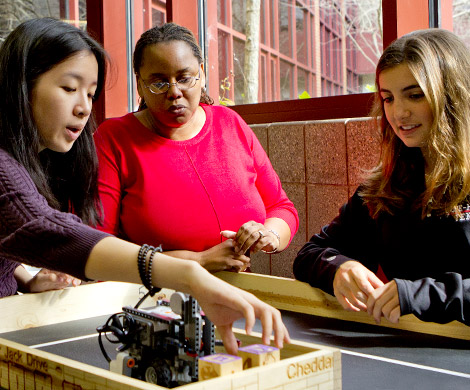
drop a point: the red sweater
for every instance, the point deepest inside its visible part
(181, 194)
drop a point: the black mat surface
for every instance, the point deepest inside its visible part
(372, 357)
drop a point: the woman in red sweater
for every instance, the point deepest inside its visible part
(183, 173)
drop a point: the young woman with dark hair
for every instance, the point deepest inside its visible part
(50, 73)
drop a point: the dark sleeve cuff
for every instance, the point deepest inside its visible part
(438, 300)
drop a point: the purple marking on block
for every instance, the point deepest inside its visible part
(258, 349)
(220, 358)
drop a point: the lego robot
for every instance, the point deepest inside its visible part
(162, 344)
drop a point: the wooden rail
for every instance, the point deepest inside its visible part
(292, 295)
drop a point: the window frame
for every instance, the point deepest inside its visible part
(399, 17)
(341, 106)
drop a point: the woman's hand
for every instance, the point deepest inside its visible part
(253, 236)
(353, 284)
(46, 280)
(223, 257)
(384, 302)
(224, 304)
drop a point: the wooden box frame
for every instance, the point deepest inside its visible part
(302, 365)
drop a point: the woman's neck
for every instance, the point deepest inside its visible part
(182, 133)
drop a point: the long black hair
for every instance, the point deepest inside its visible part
(67, 180)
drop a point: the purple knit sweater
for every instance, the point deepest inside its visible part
(31, 232)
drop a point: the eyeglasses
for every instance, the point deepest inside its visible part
(182, 84)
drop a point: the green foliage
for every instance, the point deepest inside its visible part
(225, 87)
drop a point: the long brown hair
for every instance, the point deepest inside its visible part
(440, 63)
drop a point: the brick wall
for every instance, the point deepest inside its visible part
(320, 165)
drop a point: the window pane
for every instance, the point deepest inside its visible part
(301, 33)
(363, 45)
(461, 19)
(273, 80)
(263, 80)
(222, 12)
(225, 71)
(158, 13)
(224, 65)
(238, 15)
(238, 64)
(14, 12)
(334, 49)
(285, 34)
(287, 80)
(273, 18)
(263, 34)
(303, 90)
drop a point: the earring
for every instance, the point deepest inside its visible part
(204, 89)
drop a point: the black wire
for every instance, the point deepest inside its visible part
(100, 342)
(123, 335)
(142, 299)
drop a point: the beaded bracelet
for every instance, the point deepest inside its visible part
(145, 271)
(142, 262)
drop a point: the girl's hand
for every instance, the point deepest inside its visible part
(384, 302)
(224, 304)
(46, 280)
(353, 284)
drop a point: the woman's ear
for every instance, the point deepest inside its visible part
(203, 77)
(139, 86)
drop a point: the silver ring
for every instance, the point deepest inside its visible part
(261, 235)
